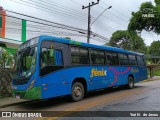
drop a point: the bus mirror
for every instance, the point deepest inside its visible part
(51, 52)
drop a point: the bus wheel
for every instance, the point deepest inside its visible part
(77, 91)
(130, 82)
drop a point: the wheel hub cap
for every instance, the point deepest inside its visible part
(77, 91)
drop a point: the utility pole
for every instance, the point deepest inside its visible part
(89, 18)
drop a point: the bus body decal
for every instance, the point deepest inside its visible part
(115, 72)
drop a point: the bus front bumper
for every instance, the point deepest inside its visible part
(32, 94)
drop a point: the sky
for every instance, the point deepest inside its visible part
(69, 12)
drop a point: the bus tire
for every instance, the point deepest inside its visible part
(77, 91)
(130, 82)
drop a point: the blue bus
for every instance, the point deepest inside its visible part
(48, 67)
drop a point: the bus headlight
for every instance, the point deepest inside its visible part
(31, 84)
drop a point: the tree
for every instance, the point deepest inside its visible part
(128, 41)
(6, 58)
(154, 49)
(141, 22)
(157, 2)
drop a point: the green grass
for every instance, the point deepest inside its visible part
(156, 72)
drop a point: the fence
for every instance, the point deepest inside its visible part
(5, 82)
(153, 70)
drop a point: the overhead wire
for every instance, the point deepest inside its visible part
(106, 17)
(57, 32)
(50, 22)
(116, 10)
(66, 7)
(43, 20)
(56, 26)
(115, 15)
(58, 7)
(63, 27)
(101, 26)
(76, 2)
(50, 11)
(101, 37)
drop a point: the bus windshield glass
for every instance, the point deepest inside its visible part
(26, 62)
(26, 59)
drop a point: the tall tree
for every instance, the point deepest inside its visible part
(157, 2)
(147, 18)
(128, 41)
(154, 49)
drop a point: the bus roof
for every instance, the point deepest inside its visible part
(63, 40)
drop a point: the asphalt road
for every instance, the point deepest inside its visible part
(144, 97)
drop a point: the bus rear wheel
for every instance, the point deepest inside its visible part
(77, 91)
(130, 82)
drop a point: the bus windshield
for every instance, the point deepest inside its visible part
(25, 62)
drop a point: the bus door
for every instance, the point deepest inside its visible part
(51, 62)
(142, 68)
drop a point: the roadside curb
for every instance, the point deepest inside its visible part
(150, 79)
(13, 104)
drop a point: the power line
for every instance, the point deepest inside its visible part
(76, 2)
(50, 11)
(101, 14)
(44, 31)
(60, 7)
(55, 10)
(115, 15)
(116, 10)
(101, 25)
(65, 7)
(58, 33)
(21, 0)
(44, 23)
(64, 27)
(108, 18)
(43, 20)
(55, 33)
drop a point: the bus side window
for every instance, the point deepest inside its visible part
(132, 60)
(123, 59)
(140, 61)
(75, 54)
(84, 56)
(58, 56)
(97, 57)
(115, 58)
(79, 55)
(50, 60)
(112, 58)
(109, 58)
(44, 57)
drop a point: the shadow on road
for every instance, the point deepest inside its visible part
(50, 103)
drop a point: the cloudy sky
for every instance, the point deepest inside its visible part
(69, 12)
